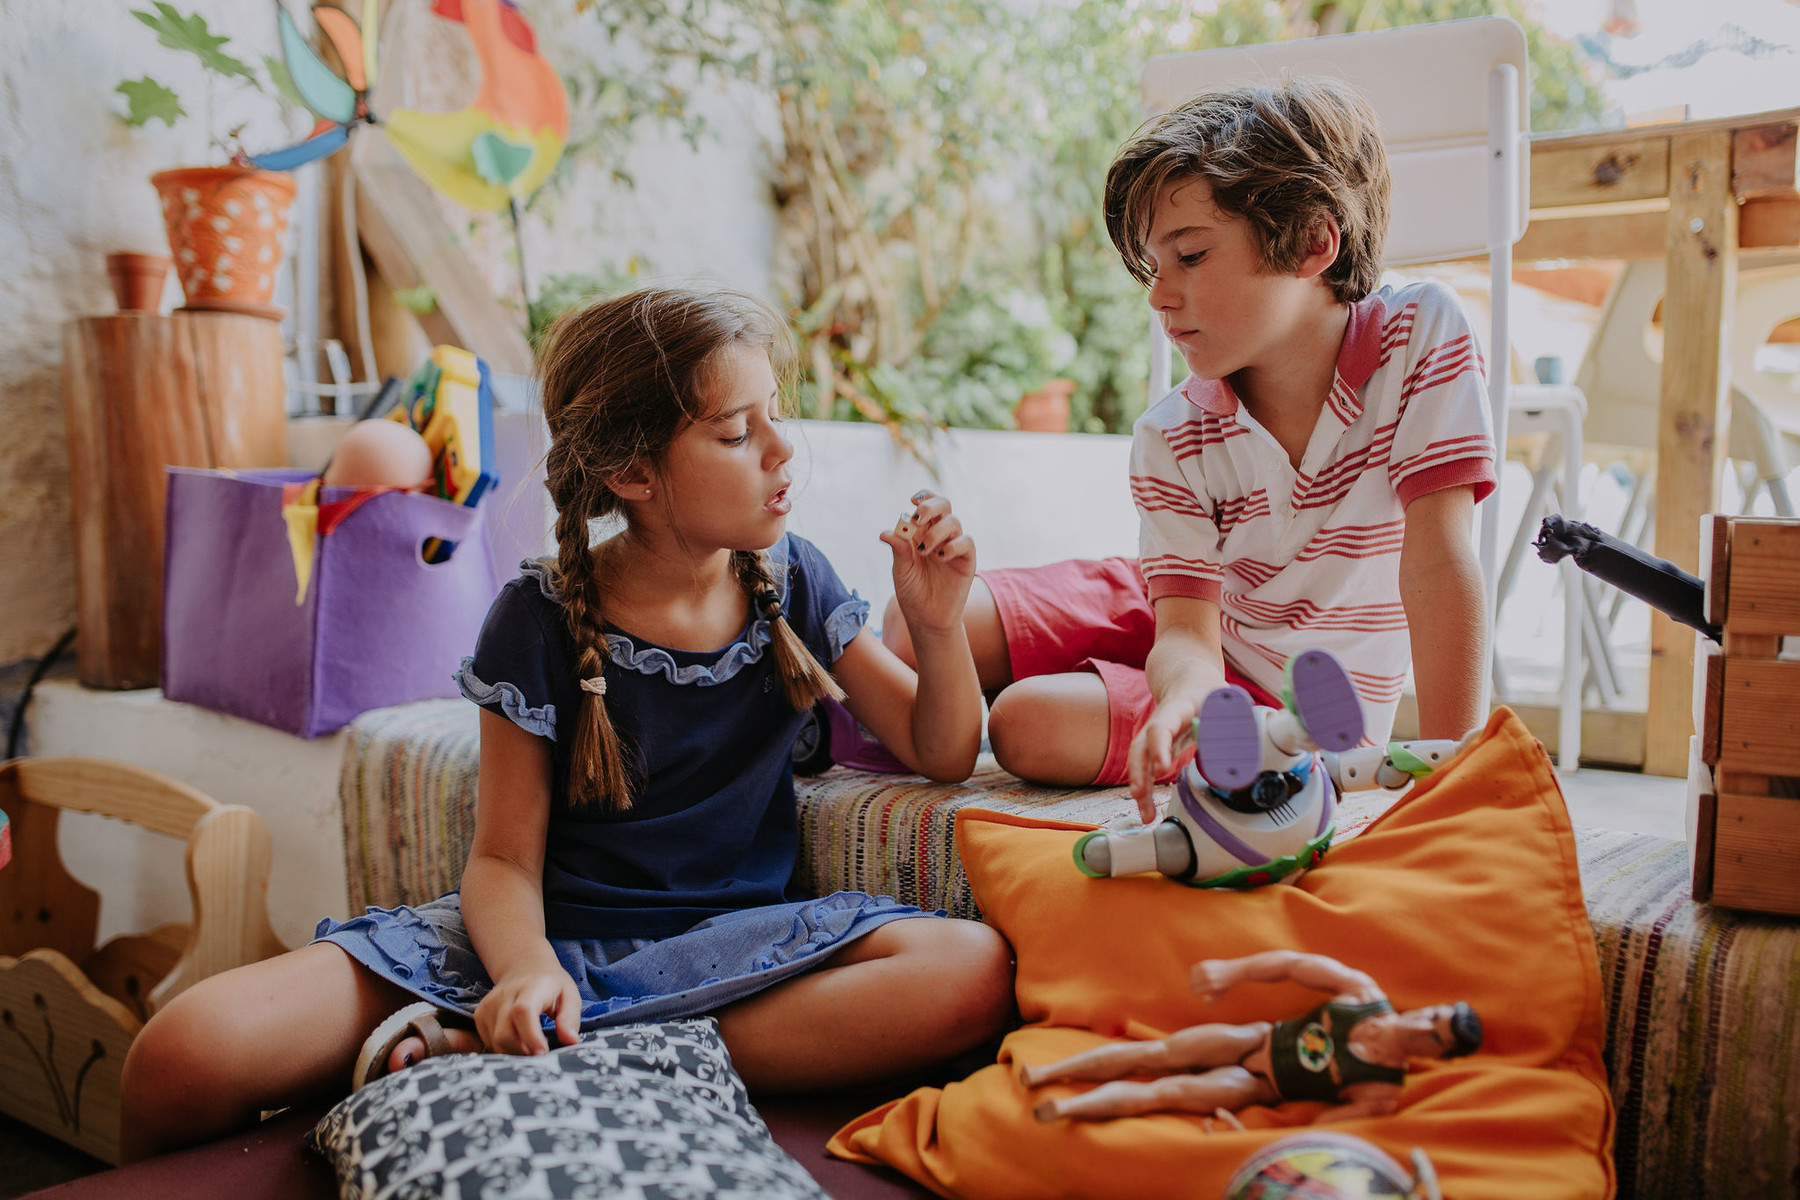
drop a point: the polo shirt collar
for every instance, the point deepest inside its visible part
(1357, 359)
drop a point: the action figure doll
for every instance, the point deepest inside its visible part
(1350, 1051)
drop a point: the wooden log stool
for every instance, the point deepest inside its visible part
(142, 392)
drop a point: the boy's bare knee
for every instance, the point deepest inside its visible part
(894, 633)
(1008, 729)
(1021, 730)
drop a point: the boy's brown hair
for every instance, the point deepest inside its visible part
(1281, 157)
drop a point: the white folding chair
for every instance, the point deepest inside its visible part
(1452, 103)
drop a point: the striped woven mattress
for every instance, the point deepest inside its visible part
(1703, 1004)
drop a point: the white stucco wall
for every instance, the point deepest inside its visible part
(1025, 498)
(74, 186)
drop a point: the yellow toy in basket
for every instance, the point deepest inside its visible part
(451, 404)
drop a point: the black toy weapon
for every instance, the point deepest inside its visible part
(1656, 581)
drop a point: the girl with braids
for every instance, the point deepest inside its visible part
(636, 831)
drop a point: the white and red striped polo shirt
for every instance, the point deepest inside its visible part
(1311, 558)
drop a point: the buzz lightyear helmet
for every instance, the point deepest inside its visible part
(1268, 832)
(1257, 802)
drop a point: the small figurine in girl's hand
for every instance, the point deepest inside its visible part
(1351, 1051)
(636, 830)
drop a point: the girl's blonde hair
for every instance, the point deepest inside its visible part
(621, 380)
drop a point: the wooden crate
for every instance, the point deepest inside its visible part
(1744, 777)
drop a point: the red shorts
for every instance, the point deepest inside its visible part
(1090, 615)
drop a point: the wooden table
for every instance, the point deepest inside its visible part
(1697, 193)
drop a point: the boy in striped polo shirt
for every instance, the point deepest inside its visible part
(1311, 484)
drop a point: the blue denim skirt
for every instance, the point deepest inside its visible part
(426, 951)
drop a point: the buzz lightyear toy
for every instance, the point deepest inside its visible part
(1258, 803)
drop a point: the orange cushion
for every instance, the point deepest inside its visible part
(1465, 890)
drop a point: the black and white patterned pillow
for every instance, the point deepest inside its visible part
(638, 1112)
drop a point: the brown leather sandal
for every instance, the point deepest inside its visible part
(421, 1020)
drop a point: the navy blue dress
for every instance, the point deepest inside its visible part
(684, 902)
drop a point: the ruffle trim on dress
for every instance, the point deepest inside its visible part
(747, 650)
(654, 660)
(541, 721)
(844, 623)
(414, 954)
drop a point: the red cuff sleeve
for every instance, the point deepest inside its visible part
(1477, 473)
(1182, 585)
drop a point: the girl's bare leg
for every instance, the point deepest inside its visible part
(1190, 1049)
(262, 1036)
(908, 994)
(981, 622)
(1228, 1088)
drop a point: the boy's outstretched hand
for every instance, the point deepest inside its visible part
(934, 562)
(1153, 751)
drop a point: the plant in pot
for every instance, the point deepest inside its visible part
(224, 222)
(980, 365)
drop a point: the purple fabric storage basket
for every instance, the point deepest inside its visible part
(378, 625)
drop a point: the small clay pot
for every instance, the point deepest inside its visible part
(225, 226)
(1047, 409)
(137, 280)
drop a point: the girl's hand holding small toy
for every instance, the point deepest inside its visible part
(934, 562)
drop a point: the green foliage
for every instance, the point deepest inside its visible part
(660, 47)
(559, 294)
(282, 82)
(984, 352)
(190, 34)
(420, 301)
(944, 162)
(1565, 92)
(150, 100)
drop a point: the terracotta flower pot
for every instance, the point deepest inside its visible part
(225, 226)
(1047, 409)
(137, 280)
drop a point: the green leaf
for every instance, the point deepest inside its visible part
(150, 100)
(284, 83)
(191, 35)
(420, 300)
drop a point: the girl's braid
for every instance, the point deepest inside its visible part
(802, 678)
(597, 763)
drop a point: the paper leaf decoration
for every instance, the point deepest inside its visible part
(150, 101)
(191, 34)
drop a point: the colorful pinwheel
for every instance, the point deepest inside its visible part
(488, 155)
(497, 150)
(339, 105)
